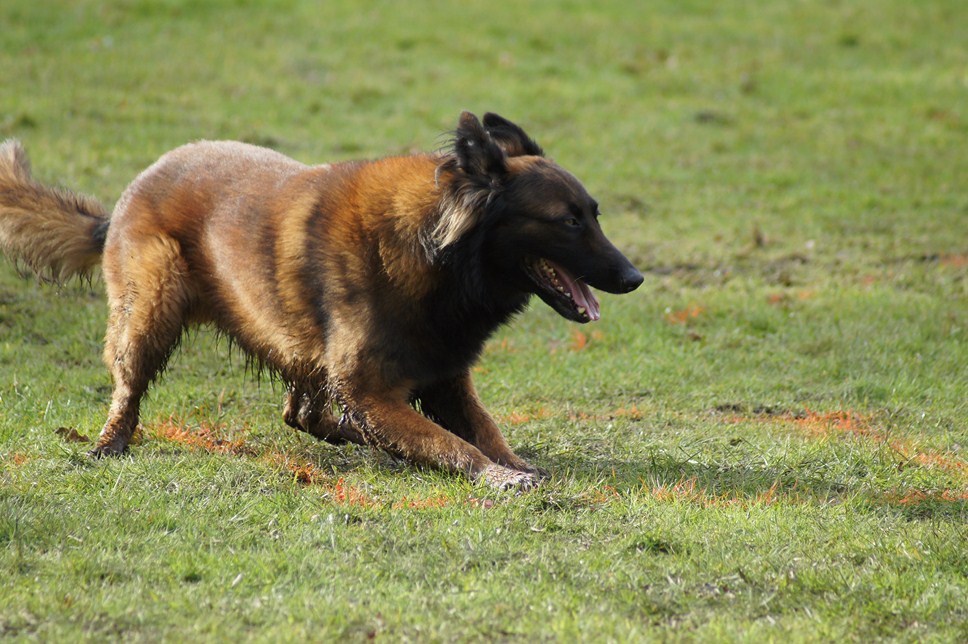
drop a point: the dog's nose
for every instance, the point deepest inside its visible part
(631, 280)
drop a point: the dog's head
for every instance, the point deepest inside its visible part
(538, 226)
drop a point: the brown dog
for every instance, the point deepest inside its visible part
(369, 287)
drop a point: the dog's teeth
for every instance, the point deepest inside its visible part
(553, 278)
(581, 310)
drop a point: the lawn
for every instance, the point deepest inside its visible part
(767, 441)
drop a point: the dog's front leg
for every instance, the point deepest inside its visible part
(389, 422)
(456, 405)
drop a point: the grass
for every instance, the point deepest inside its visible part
(765, 442)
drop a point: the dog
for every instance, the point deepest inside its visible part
(369, 288)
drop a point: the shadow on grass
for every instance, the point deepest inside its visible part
(665, 478)
(660, 476)
(664, 470)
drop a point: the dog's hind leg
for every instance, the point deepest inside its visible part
(454, 403)
(148, 300)
(310, 409)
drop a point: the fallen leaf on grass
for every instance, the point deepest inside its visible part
(683, 316)
(578, 340)
(71, 435)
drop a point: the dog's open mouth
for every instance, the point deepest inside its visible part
(562, 291)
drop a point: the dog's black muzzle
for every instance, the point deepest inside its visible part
(610, 271)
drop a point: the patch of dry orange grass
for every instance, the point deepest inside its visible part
(689, 490)
(340, 492)
(917, 497)
(831, 423)
(841, 422)
(205, 436)
(542, 413)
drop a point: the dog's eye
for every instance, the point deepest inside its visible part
(572, 222)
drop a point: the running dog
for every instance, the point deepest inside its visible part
(368, 287)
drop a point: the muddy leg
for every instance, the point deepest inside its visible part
(456, 405)
(148, 302)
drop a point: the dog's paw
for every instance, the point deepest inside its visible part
(511, 460)
(503, 478)
(107, 450)
(524, 466)
(537, 471)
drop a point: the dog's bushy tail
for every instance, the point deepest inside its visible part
(55, 233)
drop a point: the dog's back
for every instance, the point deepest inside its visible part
(268, 248)
(234, 215)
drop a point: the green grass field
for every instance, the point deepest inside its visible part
(767, 441)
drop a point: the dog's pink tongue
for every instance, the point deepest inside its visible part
(580, 293)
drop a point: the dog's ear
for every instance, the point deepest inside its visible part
(470, 178)
(511, 137)
(477, 152)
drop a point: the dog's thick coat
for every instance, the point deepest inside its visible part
(368, 286)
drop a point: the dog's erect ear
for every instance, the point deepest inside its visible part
(477, 168)
(511, 137)
(477, 152)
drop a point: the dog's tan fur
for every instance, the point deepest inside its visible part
(334, 277)
(33, 225)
